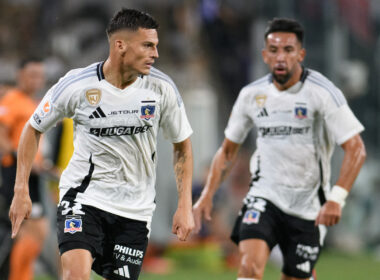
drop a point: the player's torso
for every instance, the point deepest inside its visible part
(118, 129)
(285, 167)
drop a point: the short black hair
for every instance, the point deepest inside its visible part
(29, 59)
(285, 25)
(132, 20)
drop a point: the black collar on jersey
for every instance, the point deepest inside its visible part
(99, 71)
(305, 73)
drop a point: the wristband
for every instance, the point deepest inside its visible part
(338, 195)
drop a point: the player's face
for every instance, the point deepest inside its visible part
(141, 51)
(283, 54)
(32, 77)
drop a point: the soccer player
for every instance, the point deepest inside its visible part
(107, 190)
(16, 107)
(299, 115)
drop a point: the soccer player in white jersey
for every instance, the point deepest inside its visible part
(107, 191)
(299, 115)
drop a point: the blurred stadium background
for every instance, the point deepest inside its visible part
(211, 48)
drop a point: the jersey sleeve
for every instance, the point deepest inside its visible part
(174, 123)
(339, 118)
(55, 106)
(239, 123)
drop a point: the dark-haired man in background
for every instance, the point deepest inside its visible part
(107, 191)
(300, 115)
(16, 107)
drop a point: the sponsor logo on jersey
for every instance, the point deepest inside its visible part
(260, 100)
(122, 271)
(97, 114)
(300, 112)
(122, 112)
(263, 113)
(128, 251)
(251, 217)
(93, 96)
(147, 112)
(119, 130)
(45, 110)
(282, 130)
(37, 118)
(73, 224)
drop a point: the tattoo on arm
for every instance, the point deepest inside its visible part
(179, 162)
(225, 170)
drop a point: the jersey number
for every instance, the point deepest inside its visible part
(76, 209)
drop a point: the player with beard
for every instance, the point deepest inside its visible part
(300, 115)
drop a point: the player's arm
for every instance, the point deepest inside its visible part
(220, 168)
(183, 221)
(354, 156)
(21, 203)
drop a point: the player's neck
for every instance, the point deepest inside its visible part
(115, 75)
(295, 78)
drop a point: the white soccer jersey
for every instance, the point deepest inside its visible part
(297, 131)
(113, 166)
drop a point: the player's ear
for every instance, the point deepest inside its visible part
(264, 54)
(301, 55)
(120, 45)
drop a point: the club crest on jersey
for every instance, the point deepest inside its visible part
(147, 112)
(300, 112)
(73, 224)
(251, 217)
(93, 96)
(260, 100)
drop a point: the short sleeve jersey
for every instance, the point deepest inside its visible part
(297, 130)
(113, 166)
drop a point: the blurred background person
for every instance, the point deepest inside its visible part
(16, 107)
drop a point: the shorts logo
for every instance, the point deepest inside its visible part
(147, 112)
(123, 271)
(251, 217)
(300, 112)
(73, 224)
(305, 267)
(93, 96)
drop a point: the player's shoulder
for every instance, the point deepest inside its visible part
(77, 77)
(257, 86)
(162, 81)
(259, 83)
(324, 86)
(318, 79)
(88, 71)
(158, 76)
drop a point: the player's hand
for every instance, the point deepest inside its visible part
(20, 209)
(329, 214)
(202, 208)
(183, 223)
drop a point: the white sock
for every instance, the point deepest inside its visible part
(247, 279)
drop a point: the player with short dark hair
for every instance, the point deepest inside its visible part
(300, 115)
(107, 193)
